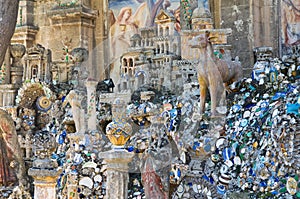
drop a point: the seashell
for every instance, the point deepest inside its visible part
(180, 189)
(221, 189)
(186, 188)
(220, 142)
(86, 181)
(237, 160)
(224, 179)
(291, 186)
(246, 114)
(195, 188)
(98, 178)
(43, 103)
(90, 165)
(229, 163)
(224, 169)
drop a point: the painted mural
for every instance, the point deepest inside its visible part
(290, 21)
(143, 11)
(126, 17)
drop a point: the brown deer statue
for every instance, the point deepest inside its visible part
(213, 73)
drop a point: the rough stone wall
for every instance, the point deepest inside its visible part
(254, 24)
(266, 24)
(45, 22)
(101, 39)
(236, 15)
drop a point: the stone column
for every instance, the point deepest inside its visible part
(118, 158)
(7, 66)
(117, 173)
(72, 186)
(44, 182)
(44, 171)
(17, 51)
(26, 70)
(91, 104)
(39, 75)
(1, 98)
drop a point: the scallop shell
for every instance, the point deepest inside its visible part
(86, 181)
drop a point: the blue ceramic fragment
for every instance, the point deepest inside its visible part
(292, 108)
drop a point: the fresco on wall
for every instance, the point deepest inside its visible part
(290, 23)
(204, 3)
(126, 17)
(143, 11)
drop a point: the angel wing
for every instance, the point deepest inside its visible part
(141, 15)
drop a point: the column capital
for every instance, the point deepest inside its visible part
(44, 182)
(91, 82)
(117, 172)
(44, 176)
(117, 159)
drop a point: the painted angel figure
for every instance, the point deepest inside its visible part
(121, 31)
(125, 25)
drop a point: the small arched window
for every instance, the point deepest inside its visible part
(130, 62)
(167, 31)
(34, 71)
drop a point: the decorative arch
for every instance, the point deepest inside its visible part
(34, 71)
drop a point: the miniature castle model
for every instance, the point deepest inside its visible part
(160, 55)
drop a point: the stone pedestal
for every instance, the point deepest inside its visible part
(16, 74)
(91, 104)
(117, 172)
(17, 51)
(7, 66)
(72, 186)
(8, 94)
(44, 182)
(44, 170)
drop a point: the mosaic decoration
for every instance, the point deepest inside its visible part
(153, 132)
(67, 3)
(30, 91)
(67, 57)
(187, 13)
(2, 73)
